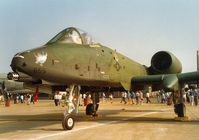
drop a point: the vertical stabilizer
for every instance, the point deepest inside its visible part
(198, 60)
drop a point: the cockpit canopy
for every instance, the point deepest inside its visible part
(72, 35)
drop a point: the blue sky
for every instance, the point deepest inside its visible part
(136, 28)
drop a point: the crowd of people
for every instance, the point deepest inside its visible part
(190, 96)
(135, 97)
(18, 98)
(126, 97)
(27, 98)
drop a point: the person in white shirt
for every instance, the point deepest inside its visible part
(148, 98)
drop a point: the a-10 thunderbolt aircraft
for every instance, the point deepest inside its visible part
(15, 87)
(11, 86)
(72, 60)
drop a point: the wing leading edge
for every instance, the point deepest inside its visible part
(170, 82)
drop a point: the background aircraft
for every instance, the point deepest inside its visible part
(72, 60)
(10, 85)
(14, 87)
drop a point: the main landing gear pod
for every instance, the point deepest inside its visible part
(180, 107)
(91, 109)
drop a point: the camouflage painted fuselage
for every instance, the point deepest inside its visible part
(86, 65)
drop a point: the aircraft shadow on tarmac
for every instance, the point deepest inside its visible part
(10, 123)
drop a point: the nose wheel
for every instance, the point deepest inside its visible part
(68, 122)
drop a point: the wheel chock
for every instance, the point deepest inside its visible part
(185, 118)
(91, 116)
(87, 116)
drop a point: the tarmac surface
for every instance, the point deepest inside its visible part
(42, 121)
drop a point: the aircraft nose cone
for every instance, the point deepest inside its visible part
(18, 62)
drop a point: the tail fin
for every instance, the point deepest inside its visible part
(198, 60)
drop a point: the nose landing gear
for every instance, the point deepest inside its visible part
(68, 120)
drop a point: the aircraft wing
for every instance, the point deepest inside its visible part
(164, 81)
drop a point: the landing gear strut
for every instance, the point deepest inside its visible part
(68, 121)
(179, 106)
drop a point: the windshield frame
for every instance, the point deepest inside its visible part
(81, 34)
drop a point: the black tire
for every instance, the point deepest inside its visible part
(89, 109)
(68, 122)
(180, 110)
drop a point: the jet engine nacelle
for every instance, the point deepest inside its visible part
(164, 62)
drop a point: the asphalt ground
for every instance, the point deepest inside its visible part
(117, 121)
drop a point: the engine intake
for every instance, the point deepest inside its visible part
(164, 62)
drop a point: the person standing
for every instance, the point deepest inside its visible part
(32, 99)
(80, 100)
(124, 96)
(59, 98)
(163, 97)
(1, 99)
(137, 97)
(158, 93)
(17, 98)
(103, 97)
(35, 98)
(28, 99)
(129, 97)
(195, 97)
(111, 98)
(133, 97)
(148, 97)
(141, 97)
(84, 99)
(191, 97)
(7, 98)
(56, 98)
(22, 98)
